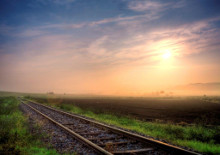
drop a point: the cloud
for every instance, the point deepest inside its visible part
(122, 44)
(145, 5)
(146, 48)
(182, 40)
(127, 41)
(63, 26)
(32, 33)
(116, 20)
(56, 2)
(120, 53)
(211, 88)
(154, 7)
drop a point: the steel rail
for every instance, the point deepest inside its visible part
(164, 146)
(75, 135)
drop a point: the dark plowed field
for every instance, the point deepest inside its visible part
(165, 110)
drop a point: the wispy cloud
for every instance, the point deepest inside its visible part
(122, 44)
(153, 6)
(63, 26)
(183, 40)
(57, 2)
(116, 20)
(32, 33)
(86, 54)
(151, 11)
(145, 5)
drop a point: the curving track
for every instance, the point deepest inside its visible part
(102, 138)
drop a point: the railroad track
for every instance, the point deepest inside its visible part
(102, 138)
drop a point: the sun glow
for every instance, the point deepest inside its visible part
(167, 61)
(166, 55)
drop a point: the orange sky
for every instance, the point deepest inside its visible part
(140, 49)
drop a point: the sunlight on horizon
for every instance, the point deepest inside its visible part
(129, 48)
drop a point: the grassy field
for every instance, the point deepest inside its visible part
(15, 137)
(198, 137)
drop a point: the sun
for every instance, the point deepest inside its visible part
(167, 54)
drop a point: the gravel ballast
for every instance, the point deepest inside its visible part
(56, 137)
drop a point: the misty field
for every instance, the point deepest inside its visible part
(190, 122)
(192, 110)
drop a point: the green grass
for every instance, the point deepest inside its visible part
(15, 137)
(199, 138)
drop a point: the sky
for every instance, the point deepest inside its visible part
(108, 47)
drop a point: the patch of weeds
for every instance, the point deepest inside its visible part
(15, 137)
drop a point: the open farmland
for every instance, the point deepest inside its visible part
(203, 136)
(177, 110)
